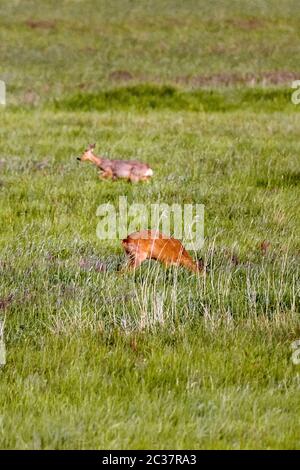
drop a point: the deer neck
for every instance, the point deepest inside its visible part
(96, 160)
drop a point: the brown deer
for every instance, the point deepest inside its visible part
(131, 170)
(152, 244)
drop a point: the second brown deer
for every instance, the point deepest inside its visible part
(152, 244)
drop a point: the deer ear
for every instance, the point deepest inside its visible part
(92, 146)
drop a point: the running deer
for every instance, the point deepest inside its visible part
(131, 170)
(152, 244)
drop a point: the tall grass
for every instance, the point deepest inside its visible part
(153, 97)
(160, 358)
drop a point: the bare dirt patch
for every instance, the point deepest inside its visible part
(121, 76)
(30, 97)
(6, 301)
(247, 24)
(278, 77)
(40, 24)
(92, 265)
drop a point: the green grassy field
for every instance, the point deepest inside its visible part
(161, 358)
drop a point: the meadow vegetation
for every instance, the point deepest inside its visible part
(161, 358)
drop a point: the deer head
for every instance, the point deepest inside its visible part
(88, 154)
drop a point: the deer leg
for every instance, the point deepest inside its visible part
(145, 178)
(138, 260)
(134, 178)
(107, 174)
(135, 260)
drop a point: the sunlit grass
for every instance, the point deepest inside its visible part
(160, 358)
